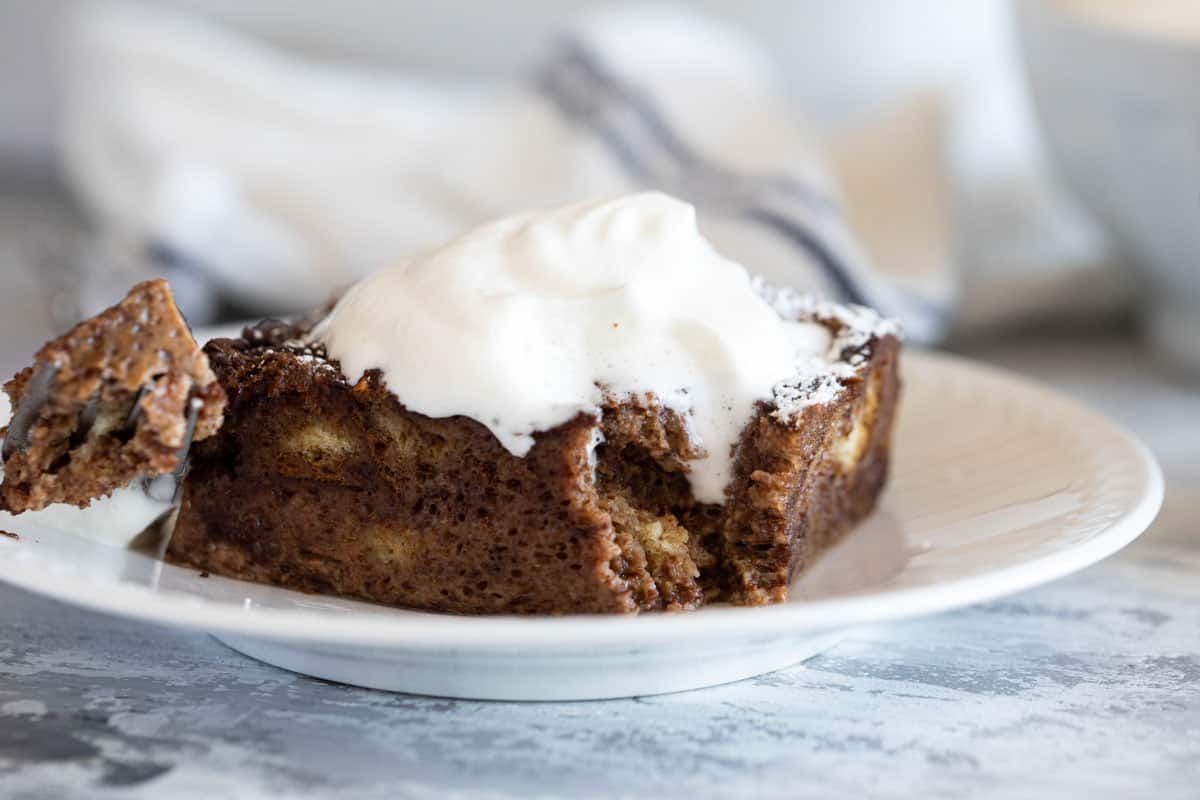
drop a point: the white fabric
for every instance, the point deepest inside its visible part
(286, 179)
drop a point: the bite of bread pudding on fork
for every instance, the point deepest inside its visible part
(586, 410)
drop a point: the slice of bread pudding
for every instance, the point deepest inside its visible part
(322, 484)
(585, 410)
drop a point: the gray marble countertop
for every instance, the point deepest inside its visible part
(1088, 687)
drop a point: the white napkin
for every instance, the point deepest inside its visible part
(284, 179)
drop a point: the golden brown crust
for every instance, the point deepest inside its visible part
(141, 341)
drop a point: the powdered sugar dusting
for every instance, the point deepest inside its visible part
(857, 323)
(820, 379)
(268, 336)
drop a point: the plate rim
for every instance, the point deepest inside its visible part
(521, 635)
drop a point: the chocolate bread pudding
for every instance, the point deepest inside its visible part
(536, 420)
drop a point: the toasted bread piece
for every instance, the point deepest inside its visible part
(107, 402)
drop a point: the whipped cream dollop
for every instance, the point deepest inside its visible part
(525, 322)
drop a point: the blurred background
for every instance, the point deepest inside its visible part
(1019, 180)
(1014, 179)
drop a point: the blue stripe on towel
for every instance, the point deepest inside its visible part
(577, 81)
(828, 263)
(650, 150)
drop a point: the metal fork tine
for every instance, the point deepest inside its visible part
(189, 431)
(135, 410)
(157, 535)
(87, 418)
(37, 394)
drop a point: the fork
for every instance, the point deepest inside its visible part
(37, 394)
(156, 535)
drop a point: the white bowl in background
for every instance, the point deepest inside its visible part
(1116, 85)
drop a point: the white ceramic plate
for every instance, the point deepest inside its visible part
(998, 485)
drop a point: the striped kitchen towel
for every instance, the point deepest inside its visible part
(282, 179)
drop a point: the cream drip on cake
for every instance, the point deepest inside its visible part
(526, 322)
